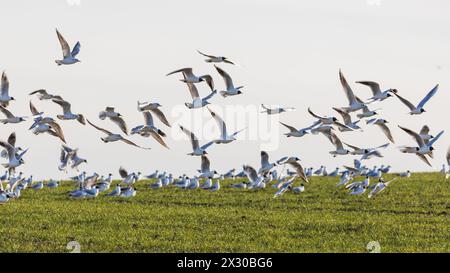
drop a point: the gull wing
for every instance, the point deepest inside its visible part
(428, 96)
(99, 128)
(226, 77)
(64, 45)
(374, 86)
(415, 135)
(348, 91)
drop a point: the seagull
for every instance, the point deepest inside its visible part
(423, 148)
(254, 179)
(425, 134)
(231, 90)
(154, 108)
(382, 124)
(347, 120)
(197, 102)
(287, 159)
(128, 178)
(116, 191)
(299, 170)
(276, 110)
(406, 174)
(68, 56)
(367, 113)
(265, 165)
(43, 95)
(111, 137)
(12, 141)
(188, 75)
(197, 150)
(114, 117)
(417, 110)
(72, 155)
(325, 120)
(205, 171)
(45, 125)
(359, 187)
(378, 95)
(14, 160)
(148, 129)
(293, 132)
(10, 118)
(355, 104)
(215, 59)
(380, 186)
(339, 147)
(128, 192)
(363, 151)
(67, 113)
(224, 137)
(215, 187)
(5, 98)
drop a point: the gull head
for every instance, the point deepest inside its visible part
(239, 92)
(422, 110)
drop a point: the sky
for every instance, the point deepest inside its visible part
(287, 53)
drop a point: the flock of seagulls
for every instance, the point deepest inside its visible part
(285, 174)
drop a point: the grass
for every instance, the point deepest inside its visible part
(411, 215)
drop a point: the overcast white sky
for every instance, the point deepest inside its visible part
(289, 53)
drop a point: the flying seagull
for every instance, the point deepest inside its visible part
(215, 59)
(114, 117)
(5, 98)
(111, 137)
(14, 160)
(188, 75)
(154, 108)
(224, 137)
(423, 148)
(293, 132)
(43, 95)
(10, 118)
(231, 90)
(67, 113)
(347, 120)
(382, 124)
(354, 103)
(378, 95)
(68, 56)
(417, 110)
(197, 102)
(149, 129)
(276, 110)
(197, 150)
(325, 120)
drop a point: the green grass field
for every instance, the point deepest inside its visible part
(411, 215)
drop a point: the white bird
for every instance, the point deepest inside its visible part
(52, 184)
(293, 132)
(275, 110)
(207, 185)
(73, 157)
(149, 129)
(68, 56)
(347, 121)
(37, 186)
(230, 89)
(359, 187)
(355, 104)
(197, 150)
(188, 75)
(215, 187)
(406, 174)
(340, 150)
(197, 102)
(324, 119)
(378, 95)
(67, 113)
(224, 137)
(423, 148)
(10, 118)
(116, 192)
(205, 171)
(382, 124)
(5, 98)
(128, 192)
(128, 178)
(367, 113)
(43, 95)
(45, 125)
(417, 110)
(111, 137)
(215, 59)
(115, 117)
(14, 159)
(154, 108)
(265, 165)
(380, 186)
